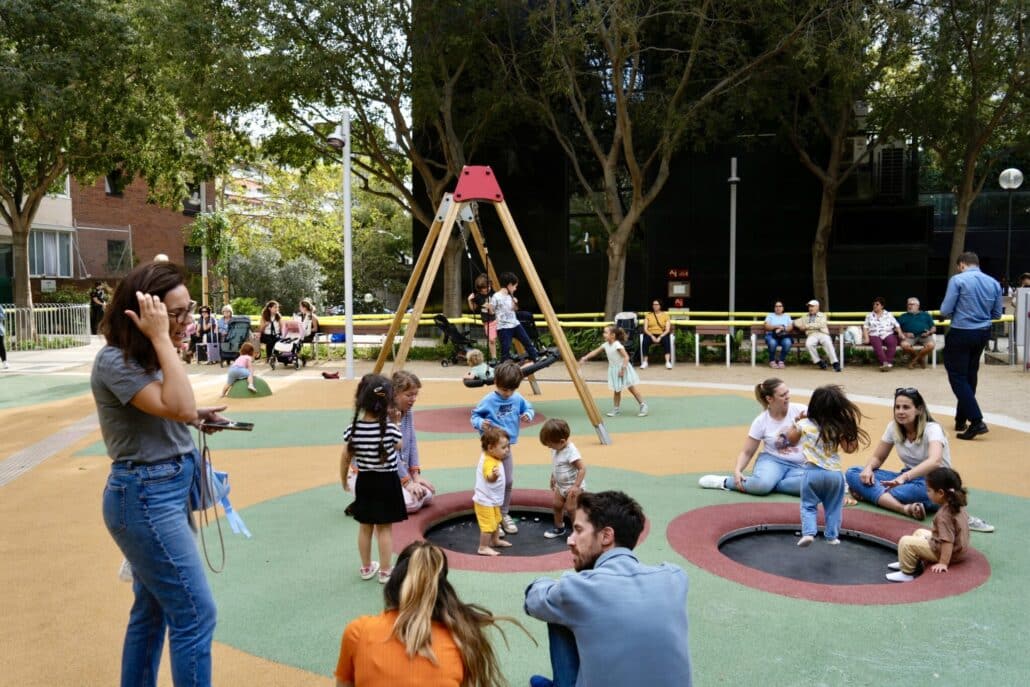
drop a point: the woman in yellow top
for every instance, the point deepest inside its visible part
(657, 330)
(426, 637)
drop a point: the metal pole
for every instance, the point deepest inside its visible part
(733, 180)
(1008, 275)
(348, 272)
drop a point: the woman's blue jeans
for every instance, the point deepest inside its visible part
(826, 487)
(771, 474)
(146, 511)
(912, 491)
(771, 342)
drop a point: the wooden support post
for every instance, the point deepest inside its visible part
(552, 321)
(409, 290)
(427, 285)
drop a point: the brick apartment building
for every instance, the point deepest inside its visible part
(98, 232)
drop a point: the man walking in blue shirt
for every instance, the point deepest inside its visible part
(972, 300)
(613, 621)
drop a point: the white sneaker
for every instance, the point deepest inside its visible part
(668, 365)
(896, 565)
(712, 482)
(6, 366)
(508, 525)
(643, 365)
(613, 412)
(900, 577)
(979, 525)
(643, 410)
(806, 541)
(833, 542)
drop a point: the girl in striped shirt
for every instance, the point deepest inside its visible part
(372, 443)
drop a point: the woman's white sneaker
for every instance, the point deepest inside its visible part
(712, 482)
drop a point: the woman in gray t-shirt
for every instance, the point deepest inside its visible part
(145, 405)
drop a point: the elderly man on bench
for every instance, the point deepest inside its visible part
(917, 329)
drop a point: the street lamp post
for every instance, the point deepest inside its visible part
(733, 181)
(1010, 179)
(340, 139)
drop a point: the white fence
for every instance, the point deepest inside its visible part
(57, 325)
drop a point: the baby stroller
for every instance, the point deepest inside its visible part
(460, 341)
(287, 349)
(627, 321)
(237, 332)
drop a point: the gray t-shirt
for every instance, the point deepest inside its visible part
(129, 433)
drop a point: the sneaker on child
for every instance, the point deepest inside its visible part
(555, 532)
(509, 525)
(900, 576)
(369, 571)
(643, 410)
(613, 412)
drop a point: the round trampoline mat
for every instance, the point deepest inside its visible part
(460, 533)
(858, 559)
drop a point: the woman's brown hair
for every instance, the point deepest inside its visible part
(420, 593)
(154, 278)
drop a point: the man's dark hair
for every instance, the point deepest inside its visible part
(507, 279)
(969, 258)
(617, 510)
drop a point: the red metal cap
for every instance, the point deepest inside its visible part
(477, 183)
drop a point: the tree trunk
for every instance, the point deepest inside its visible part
(20, 245)
(452, 271)
(615, 290)
(964, 202)
(820, 247)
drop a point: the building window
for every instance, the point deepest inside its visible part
(118, 259)
(115, 183)
(50, 254)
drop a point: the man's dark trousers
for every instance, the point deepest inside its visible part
(962, 351)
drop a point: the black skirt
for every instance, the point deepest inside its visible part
(378, 499)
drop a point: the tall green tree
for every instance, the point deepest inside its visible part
(298, 214)
(83, 92)
(822, 92)
(969, 94)
(399, 67)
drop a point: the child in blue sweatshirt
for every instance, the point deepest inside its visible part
(505, 408)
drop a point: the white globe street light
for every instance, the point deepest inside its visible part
(1010, 179)
(340, 140)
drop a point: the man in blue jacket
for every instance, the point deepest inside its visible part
(614, 621)
(972, 300)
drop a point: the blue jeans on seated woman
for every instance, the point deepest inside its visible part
(913, 491)
(146, 511)
(771, 474)
(771, 342)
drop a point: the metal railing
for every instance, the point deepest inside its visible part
(46, 326)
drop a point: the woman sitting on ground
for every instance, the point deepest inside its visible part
(657, 330)
(779, 467)
(922, 446)
(426, 635)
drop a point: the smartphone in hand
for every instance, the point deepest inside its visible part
(229, 424)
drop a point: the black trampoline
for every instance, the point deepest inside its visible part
(860, 558)
(460, 533)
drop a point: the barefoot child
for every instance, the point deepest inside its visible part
(505, 408)
(568, 473)
(621, 374)
(832, 423)
(489, 493)
(948, 541)
(242, 368)
(372, 442)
